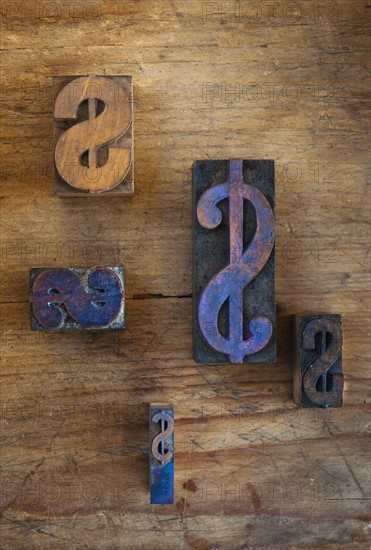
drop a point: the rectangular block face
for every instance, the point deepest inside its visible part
(318, 374)
(77, 298)
(161, 454)
(234, 261)
(93, 158)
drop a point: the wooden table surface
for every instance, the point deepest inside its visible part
(280, 80)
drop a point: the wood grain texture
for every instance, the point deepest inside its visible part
(252, 470)
(93, 136)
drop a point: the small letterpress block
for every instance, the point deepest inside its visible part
(234, 249)
(93, 136)
(318, 375)
(161, 453)
(77, 298)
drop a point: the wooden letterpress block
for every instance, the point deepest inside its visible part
(318, 375)
(161, 453)
(77, 298)
(93, 136)
(234, 273)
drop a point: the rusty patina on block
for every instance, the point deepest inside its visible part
(234, 273)
(77, 298)
(161, 453)
(318, 374)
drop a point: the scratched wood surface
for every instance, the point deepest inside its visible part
(284, 81)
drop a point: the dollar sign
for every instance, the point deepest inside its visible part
(158, 447)
(244, 266)
(320, 385)
(54, 287)
(87, 136)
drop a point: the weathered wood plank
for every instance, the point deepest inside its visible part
(252, 470)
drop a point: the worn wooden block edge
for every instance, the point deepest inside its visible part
(161, 475)
(269, 353)
(126, 187)
(299, 321)
(83, 272)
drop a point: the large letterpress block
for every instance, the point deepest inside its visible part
(161, 453)
(93, 136)
(318, 375)
(234, 279)
(77, 298)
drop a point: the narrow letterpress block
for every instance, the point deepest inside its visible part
(93, 136)
(77, 298)
(234, 248)
(161, 453)
(318, 375)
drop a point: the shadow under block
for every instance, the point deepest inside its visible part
(77, 298)
(93, 136)
(318, 374)
(234, 261)
(161, 454)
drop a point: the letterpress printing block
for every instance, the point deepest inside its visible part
(77, 298)
(93, 136)
(234, 279)
(318, 375)
(161, 453)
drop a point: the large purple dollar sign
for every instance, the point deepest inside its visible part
(244, 265)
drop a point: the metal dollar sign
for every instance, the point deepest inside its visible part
(244, 266)
(84, 140)
(158, 445)
(320, 385)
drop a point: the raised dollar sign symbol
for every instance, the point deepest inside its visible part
(243, 267)
(96, 306)
(89, 135)
(320, 385)
(158, 447)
